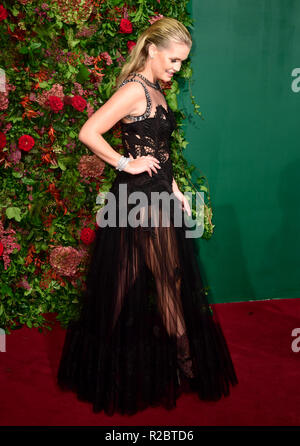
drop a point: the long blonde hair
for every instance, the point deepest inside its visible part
(160, 33)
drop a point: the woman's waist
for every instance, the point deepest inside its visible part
(162, 180)
(161, 152)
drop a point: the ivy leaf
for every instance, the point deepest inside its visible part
(59, 127)
(72, 134)
(70, 38)
(83, 74)
(6, 290)
(15, 13)
(28, 181)
(44, 84)
(35, 45)
(61, 164)
(74, 43)
(17, 174)
(15, 119)
(13, 212)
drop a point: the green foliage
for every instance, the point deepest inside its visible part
(46, 199)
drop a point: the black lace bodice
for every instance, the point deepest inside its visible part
(149, 134)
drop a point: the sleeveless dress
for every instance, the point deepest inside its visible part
(146, 332)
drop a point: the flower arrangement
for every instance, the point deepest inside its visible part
(58, 64)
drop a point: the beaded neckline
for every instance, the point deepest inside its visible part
(155, 85)
(167, 111)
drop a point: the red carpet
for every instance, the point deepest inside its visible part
(258, 335)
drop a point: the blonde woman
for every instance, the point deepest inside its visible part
(145, 332)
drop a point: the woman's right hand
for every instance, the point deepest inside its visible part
(142, 164)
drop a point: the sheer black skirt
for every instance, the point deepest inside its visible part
(146, 332)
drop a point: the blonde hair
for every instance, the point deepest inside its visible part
(160, 33)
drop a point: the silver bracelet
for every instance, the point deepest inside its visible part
(122, 163)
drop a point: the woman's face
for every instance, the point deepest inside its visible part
(168, 61)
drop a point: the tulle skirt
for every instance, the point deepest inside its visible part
(146, 332)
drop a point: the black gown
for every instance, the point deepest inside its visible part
(146, 332)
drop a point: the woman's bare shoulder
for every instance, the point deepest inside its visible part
(123, 102)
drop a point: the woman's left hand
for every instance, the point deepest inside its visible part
(183, 200)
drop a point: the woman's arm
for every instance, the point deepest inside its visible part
(123, 102)
(181, 197)
(97, 144)
(174, 186)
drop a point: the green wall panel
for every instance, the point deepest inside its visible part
(245, 57)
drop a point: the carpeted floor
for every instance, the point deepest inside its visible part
(258, 333)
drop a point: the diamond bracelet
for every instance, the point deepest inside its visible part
(122, 163)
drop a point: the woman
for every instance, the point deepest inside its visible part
(145, 332)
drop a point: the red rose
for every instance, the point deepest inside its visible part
(1, 249)
(130, 44)
(3, 13)
(79, 103)
(87, 235)
(55, 103)
(26, 142)
(2, 140)
(125, 26)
